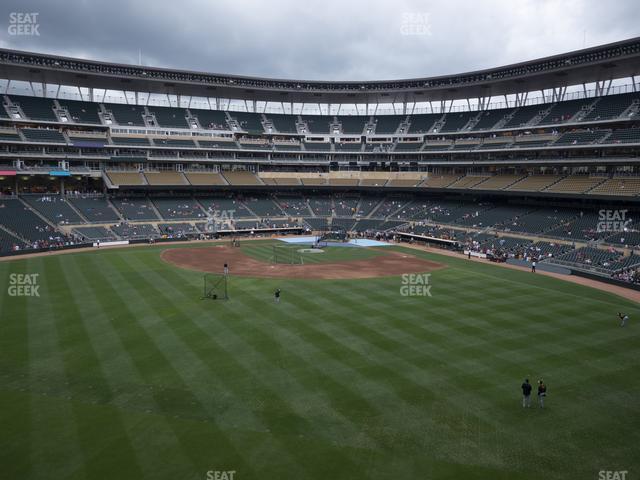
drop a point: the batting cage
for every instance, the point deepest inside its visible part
(334, 233)
(215, 286)
(286, 254)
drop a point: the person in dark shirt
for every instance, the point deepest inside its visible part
(526, 393)
(276, 295)
(542, 393)
(624, 317)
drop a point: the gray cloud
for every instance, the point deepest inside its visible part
(329, 39)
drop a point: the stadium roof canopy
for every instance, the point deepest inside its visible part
(596, 64)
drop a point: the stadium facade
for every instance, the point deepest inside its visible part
(92, 150)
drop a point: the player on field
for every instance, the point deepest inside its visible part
(624, 318)
(226, 269)
(276, 295)
(526, 393)
(542, 392)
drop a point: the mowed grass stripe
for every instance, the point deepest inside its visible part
(474, 401)
(432, 387)
(390, 351)
(280, 405)
(120, 373)
(54, 438)
(82, 369)
(417, 413)
(309, 385)
(176, 399)
(15, 405)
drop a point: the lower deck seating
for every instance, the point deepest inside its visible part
(345, 207)
(294, 206)
(177, 229)
(95, 209)
(94, 233)
(322, 206)
(10, 243)
(134, 230)
(592, 257)
(19, 219)
(389, 206)
(263, 207)
(225, 208)
(178, 208)
(135, 208)
(54, 208)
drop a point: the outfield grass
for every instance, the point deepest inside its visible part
(119, 371)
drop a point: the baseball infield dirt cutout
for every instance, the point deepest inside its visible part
(212, 260)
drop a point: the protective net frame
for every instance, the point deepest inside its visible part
(287, 255)
(215, 286)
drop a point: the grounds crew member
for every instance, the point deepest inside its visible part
(624, 317)
(542, 392)
(526, 393)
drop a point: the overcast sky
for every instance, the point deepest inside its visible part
(328, 39)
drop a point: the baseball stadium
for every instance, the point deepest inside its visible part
(218, 276)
